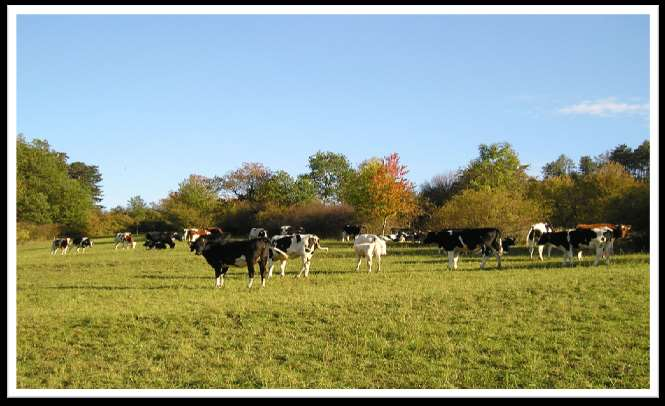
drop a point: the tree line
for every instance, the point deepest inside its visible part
(494, 189)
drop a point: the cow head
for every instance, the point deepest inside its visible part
(507, 242)
(198, 245)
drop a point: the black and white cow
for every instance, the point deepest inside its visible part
(613, 231)
(297, 245)
(159, 240)
(350, 231)
(61, 244)
(508, 242)
(567, 241)
(485, 241)
(258, 233)
(82, 243)
(221, 255)
(533, 236)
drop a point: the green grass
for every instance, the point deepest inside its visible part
(153, 319)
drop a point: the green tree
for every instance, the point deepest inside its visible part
(587, 165)
(562, 166)
(505, 209)
(497, 166)
(45, 192)
(282, 190)
(89, 176)
(328, 172)
(195, 203)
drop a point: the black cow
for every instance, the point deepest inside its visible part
(506, 243)
(351, 231)
(221, 255)
(82, 243)
(486, 241)
(570, 240)
(159, 240)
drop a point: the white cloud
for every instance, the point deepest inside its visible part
(605, 107)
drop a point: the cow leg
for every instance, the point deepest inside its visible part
(549, 251)
(378, 260)
(531, 249)
(498, 260)
(219, 278)
(579, 255)
(456, 260)
(483, 259)
(369, 263)
(360, 259)
(250, 271)
(599, 255)
(262, 269)
(540, 252)
(309, 262)
(451, 263)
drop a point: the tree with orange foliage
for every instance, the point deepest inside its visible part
(380, 190)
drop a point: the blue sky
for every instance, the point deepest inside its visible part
(153, 99)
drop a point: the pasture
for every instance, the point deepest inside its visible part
(153, 319)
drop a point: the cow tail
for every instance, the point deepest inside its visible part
(528, 236)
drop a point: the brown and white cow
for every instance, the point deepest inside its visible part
(125, 239)
(191, 234)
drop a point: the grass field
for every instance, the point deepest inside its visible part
(153, 319)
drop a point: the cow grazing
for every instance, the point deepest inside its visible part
(350, 231)
(570, 240)
(61, 244)
(125, 239)
(222, 254)
(485, 241)
(82, 243)
(369, 246)
(297, 245)
(533, 236)
(617, 231)
(258, 233)
(159, 240)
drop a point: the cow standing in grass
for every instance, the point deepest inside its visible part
(369, 246)
(485, 241)
(82, 243)
(567, 241)
(222, 254)
(533, 236)
(61, 244)
(297, 245)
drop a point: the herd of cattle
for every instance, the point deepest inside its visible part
(221, 253)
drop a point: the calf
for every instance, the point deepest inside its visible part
(61, 244)
(159, 240)
(125, 239)
(533, 236)
(82, 243)
(297, 245)
(258, 233)
(223, 254)
(478, 240)
(506, 243)
(350, 231)
(567, 241)
(369, 246)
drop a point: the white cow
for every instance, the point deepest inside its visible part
(258, 233)
(533, 236)
(297, 245)
(369, 246)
